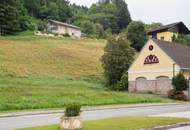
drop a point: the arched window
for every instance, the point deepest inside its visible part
(151, 59)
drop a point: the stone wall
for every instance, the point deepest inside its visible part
(163, 85)
(132, 87)
(159, 86)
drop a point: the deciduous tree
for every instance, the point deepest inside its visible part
(136, 34)
(118, 56)
(13, 17)
(123, 15)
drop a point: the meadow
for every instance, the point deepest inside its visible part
(41, 73)
(121, 123)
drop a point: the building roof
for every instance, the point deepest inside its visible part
(178, 52)
(181, 28)
(64, 24)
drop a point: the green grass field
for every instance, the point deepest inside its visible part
(37, 73)
(124, 123)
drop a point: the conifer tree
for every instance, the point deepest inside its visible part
(12, 16)
(123, 15)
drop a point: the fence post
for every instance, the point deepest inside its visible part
(189, 88)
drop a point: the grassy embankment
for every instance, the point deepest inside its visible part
(124, 123)
(37, 73)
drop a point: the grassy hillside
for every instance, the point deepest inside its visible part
(51, 57)
(49, 72)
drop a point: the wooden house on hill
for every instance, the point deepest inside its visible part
(166, 32)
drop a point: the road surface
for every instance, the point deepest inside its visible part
(10, 123)
(184, 114)
(181, 128)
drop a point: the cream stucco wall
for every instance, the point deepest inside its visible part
(152, 71)
(60, 29)
(186, 73)
(167, 36)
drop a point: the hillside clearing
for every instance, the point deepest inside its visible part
(38, 73)
(62, 58)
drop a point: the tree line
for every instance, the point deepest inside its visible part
(101, 19)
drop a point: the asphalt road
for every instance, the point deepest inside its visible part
(181, 128)
(10, 123)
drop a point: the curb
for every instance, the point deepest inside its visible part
(18, 114)
(169, 126)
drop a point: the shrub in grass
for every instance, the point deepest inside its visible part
(66, 35)
(180, 84)
(72, 119)
(56, 34)
(72, 110)
(121, 85)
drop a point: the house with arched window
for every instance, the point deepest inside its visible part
(158, 62)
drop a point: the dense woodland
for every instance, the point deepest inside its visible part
(102, 20)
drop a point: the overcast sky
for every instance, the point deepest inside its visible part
(165, 11)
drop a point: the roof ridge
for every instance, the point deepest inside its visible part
(178, 52)
(67, 24)
(166, 27)
(168, 42)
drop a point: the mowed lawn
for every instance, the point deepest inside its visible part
(37, 73)
(124, 123)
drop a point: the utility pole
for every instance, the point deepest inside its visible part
(189, 88)
(174, 69)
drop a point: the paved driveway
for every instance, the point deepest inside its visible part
(48, 119)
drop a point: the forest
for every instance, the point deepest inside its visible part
(103, 18)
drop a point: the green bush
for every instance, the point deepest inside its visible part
(124, 81)
(118, 56)
(56, 34)
(182, 39)
(121, 85)
(180, 83)
(116, 87)
(136, 34)
(72, 110)
(66, 35)
(42, 25)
